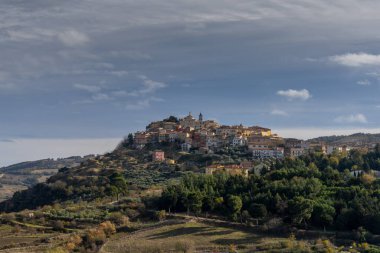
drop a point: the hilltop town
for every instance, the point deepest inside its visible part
(256, 147)
(208, 136)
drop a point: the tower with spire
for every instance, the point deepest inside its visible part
(200, 118)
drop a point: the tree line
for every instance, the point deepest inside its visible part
(314, 190)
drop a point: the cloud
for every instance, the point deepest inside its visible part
(101, 97)
(356, 59)
(131, 55)
(143, 103)
(291, 94)
(96, 95)
(139, 98)
(139, 105)
(73, 38)
(364, 82)
(120, 93)
(23, 34)
(374, 74)
(88, 88)
(278, 112)
(353, 118)
(150, 85)
(119, 73)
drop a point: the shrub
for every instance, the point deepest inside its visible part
(94, 236)
(367, 179)
(273, 224)
(119, 219)
(58, 225)
(245, 215)
(184, 246)
(160, 215)
(108, 228)
(232, 248)
(73, 242)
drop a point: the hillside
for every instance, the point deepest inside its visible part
(110, 201)
(26, 174)
(97, 177)
(24, 167)
(358, 139)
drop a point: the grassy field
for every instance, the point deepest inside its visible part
(197, 236)
(14, 239)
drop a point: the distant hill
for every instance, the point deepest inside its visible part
(44, 164)
(26, 174)
(353, 140)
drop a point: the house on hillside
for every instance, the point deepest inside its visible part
(294, 152)
(158, 156)
(239, 140)
(141, 139)
(233, 170)
(294, 147)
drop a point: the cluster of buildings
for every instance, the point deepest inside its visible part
(207, 136)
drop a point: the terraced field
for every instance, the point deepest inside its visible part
(16, 239)
(192, 235)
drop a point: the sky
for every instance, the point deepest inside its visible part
(78, 75)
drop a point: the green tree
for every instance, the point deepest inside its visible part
(334, 161)
(130, 139)
(169, 197)
(323, 214)
(195, 202)
(258, 210)
(171, 119)
(118, 185)
(209, 203)
(300, 210)
(234, 205)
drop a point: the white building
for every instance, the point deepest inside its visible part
(239, 141)
(332, 149)
(185, 147)
(337, 149)
(262, 153)
(296, 152)
(212, 142)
